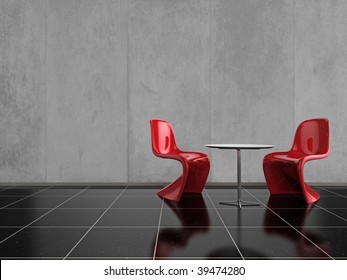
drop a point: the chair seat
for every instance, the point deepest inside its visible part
(285, 157)
(191, 156)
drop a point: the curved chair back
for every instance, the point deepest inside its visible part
(312, 137)
(163, 138)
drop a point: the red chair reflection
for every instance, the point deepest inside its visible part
(194, 219)
(309, 244)
(195, 165)
(284, 171)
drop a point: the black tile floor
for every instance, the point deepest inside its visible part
(134, 223)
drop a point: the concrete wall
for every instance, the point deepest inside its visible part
(86, 92)
(22, 91)
(79, 81)
(321, 78)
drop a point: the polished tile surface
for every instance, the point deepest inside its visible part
(134, 223)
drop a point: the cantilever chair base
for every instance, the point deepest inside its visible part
(287, 180)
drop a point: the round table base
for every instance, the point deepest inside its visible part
(239, 203)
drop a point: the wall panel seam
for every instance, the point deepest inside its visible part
(127, 91)
(45, 92)
(294, 67)
(211, 122)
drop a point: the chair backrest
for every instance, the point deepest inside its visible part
(312, 137)
(163, 138)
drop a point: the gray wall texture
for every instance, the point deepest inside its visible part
(79, 81)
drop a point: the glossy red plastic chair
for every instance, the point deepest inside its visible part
(196, 166)
(284, 171)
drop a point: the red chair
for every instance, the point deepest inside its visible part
(195, 165)
(284, 171)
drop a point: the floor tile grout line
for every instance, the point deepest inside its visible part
(3, 207)
(119, 195)
(231, 237)
(178, 227)
(40, 217)
(85, 208)
(10, 187)
(96, 227)
(298, 231)
(326, 210)
(335, 193)
(40, 196)
(162, 258)
(320, 207)
(61, 208)
(332, 213)
(62, 195)
(247, 258)
(116, 208)
(158, 229)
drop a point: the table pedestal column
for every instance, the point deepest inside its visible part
(239, 203)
